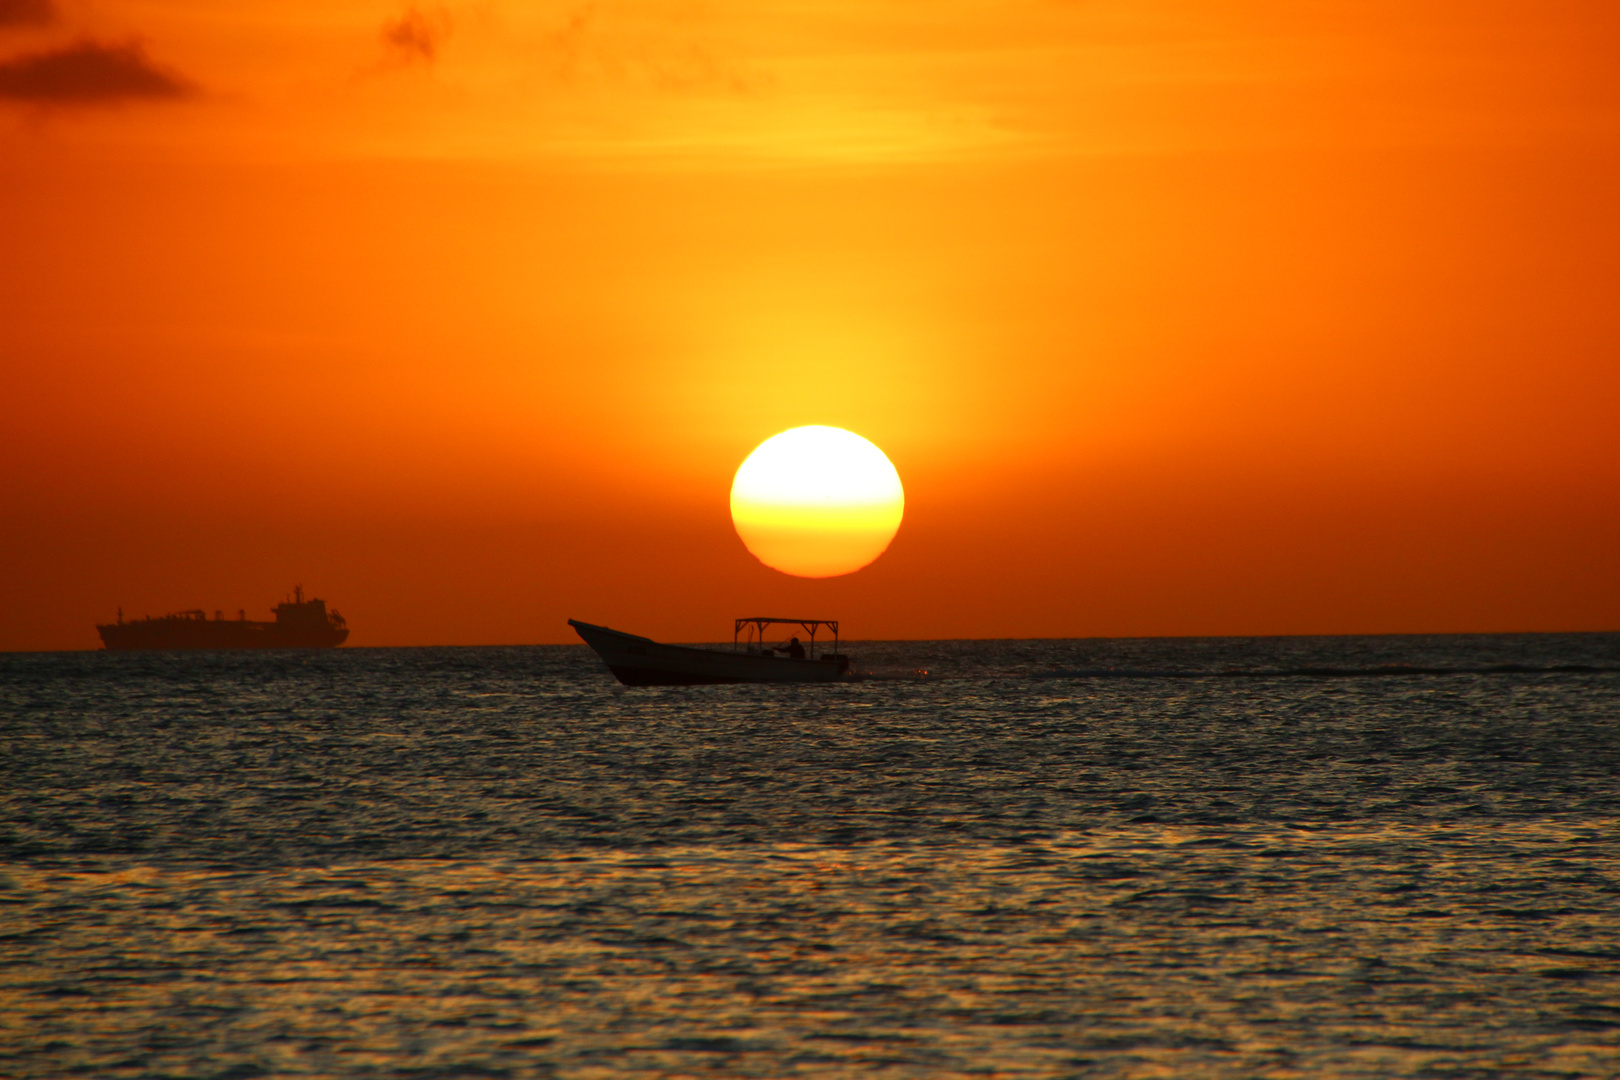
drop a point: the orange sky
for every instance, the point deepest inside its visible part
(1276, 318)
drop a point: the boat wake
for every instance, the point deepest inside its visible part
(1381, 671)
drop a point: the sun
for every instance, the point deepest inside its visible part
(817, 502)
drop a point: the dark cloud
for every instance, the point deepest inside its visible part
(416, 36)
(27, 12)
(89, 73)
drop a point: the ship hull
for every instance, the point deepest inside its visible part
(639, 661)
(217, 634)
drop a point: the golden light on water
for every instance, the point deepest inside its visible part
(817, 502)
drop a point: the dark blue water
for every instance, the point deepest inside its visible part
(1308, 857)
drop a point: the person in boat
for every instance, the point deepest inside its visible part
(795, 650)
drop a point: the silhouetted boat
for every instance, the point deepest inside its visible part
(300, 624)
(639, 661)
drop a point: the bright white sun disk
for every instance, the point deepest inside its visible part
(817, 502)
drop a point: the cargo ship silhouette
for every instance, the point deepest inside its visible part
(300, 624)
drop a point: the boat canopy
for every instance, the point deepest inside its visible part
(760, 622)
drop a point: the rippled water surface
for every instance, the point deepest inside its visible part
(1309, 857)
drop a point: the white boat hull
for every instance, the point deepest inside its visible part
(639, 661)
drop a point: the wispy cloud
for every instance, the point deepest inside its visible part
(417, 35)
(27, 12)
(90, 73)
(659, 48)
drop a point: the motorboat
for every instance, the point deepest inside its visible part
(641, 661)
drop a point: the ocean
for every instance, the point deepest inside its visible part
(1270, 857)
